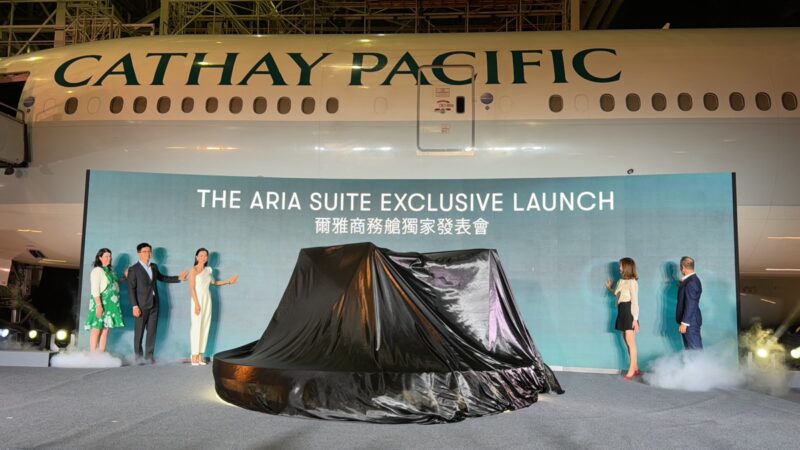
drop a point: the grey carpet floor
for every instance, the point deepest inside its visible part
(176, 407)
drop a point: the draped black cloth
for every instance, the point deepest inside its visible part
(365, 333)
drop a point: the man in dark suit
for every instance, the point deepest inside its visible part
(687, 313)
(143, 294)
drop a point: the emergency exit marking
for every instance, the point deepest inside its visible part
(442, 106)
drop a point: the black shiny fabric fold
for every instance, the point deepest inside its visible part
(364, 333)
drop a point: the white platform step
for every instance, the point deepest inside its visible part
(794, 379)
(25, 358)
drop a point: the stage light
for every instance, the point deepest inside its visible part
(762, 352)
(62, 338)
(3, 333)
(795, 353)
(37, 338)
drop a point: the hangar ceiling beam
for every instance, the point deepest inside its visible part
(39, 24)
(373, 16)
(31, 25)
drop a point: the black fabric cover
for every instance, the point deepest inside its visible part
(365, 333)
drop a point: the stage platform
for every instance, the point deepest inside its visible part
(25, 358)
(175, 406)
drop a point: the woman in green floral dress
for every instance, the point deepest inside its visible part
(104, 309)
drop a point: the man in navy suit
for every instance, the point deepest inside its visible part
(143, 295)
(687, 313)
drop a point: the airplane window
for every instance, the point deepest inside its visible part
(212, 104)
(556, 103)
(139, 105)
(380, 105)
(187, 105)
(163, 104)
(684, 101)
(607, 102)
(659, 102)
(633, 102)
(789, 101)
(308, 105)
(71, 105)
(116, 105)
(235, 105)
(737, 101)
(284, 105)
(93, 106)
(763, 102)
(332, 105)
(710, 101)
(259, 105)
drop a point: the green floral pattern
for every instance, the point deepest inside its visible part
(112, 313)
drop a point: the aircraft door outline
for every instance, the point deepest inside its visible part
(446, 112)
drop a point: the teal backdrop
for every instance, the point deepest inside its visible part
(557, 261)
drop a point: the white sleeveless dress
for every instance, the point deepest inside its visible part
(201, 323)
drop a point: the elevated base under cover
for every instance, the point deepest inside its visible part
(381, 397)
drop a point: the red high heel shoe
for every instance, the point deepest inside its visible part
(635, 374)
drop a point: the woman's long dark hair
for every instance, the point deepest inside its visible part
(100, 253)
(201, 249)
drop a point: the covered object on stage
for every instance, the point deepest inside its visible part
(365, 333)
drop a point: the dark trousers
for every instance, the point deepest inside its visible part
(147, 320)
(692, 339)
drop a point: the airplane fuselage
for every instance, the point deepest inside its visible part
(451, 106)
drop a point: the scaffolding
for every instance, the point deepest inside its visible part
(356, 17)
(35, 25)
(38, 24)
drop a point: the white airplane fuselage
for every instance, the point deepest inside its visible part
(542, 104)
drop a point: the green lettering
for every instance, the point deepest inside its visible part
(60, 75)
(199, 63)
(558, 66)
(161, 68)
(519, 64)
(413, 69)
(441, 60)
(358, 66)
(272, 71)
(579, 64)
(127, 71)
(305, 68)
(491, 68)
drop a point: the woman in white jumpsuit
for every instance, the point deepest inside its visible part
(200, 278)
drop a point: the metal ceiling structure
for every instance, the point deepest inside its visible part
(29, 25)
(355, 17)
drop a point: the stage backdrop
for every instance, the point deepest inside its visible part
(558, 240)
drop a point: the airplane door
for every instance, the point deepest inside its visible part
(446, 112)
(13, 132)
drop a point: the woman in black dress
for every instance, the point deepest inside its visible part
(627, 293)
